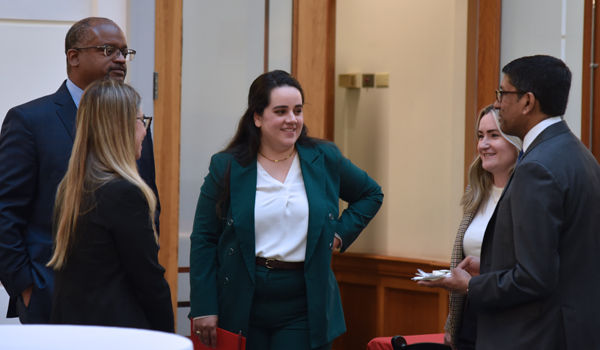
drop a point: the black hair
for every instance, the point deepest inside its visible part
(80, 32)
(547, 77)
(245, 144)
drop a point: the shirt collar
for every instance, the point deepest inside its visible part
(536, 130)
(75, 91)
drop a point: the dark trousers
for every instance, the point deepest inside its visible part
(279, 314)
(467, 334)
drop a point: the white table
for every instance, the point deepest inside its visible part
(64, 337)
(3, 307)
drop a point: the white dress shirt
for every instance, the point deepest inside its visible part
(536, 130)
(474, 235)
(281, 215)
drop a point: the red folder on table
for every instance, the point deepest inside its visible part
(225, 341)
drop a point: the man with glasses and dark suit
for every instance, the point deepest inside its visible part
(35, 146)
(539, 280)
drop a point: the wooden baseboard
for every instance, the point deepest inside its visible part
(380, 300)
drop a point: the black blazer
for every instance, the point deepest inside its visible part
(112, 276)
(35, 147)
(540, 261)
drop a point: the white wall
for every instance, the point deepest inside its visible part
(140, 37)
(408, 137)
(550, 27)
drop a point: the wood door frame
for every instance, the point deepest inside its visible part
(167, 133)
(586, 82)
(484, 21)
(313, 62)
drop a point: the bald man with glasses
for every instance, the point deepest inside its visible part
(35, 146)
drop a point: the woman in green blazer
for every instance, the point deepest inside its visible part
(266, 223)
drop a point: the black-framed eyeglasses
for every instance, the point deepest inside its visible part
(499, 94)
(146, 121)
(110, 50)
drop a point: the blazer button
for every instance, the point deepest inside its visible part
(230, 251)
(226, 280)
(229, 222)
(331, 216)
(330, 246)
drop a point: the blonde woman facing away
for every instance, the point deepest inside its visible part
(497, 155)
(106, 248)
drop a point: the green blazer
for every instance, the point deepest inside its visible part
(222, 257)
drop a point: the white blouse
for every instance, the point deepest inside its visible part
(281, 215)
(476, 230)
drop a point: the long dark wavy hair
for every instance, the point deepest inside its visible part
(245, 144)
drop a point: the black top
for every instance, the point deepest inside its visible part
(112, 276)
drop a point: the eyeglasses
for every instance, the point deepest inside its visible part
(109, 51)
(499, 94)
(146, 121)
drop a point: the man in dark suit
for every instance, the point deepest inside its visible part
(540, 260)
(35, 147)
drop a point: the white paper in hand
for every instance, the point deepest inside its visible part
(434, 275)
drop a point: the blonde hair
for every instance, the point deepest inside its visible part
(104, 150)
(481, 180)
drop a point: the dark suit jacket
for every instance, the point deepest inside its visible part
(222, 258)
(35, 147)
(112, 276)
(540, 260)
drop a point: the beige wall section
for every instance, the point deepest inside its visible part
(410, 136)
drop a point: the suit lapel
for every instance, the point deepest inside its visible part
(243, 198)
(68, 112)
(312, 164)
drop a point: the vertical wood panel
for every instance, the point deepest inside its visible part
(409, 312)
(483, 73)
(586, 82)
(488, 55)
(360, 317)
(167, 118)
(314, 62)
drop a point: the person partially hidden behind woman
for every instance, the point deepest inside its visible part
(266, 224)
(497, 155)
(106, 248)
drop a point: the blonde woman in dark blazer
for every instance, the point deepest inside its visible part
(497, 155)
(106, 247)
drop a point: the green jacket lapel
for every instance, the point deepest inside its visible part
(243, 197)
(312, 164)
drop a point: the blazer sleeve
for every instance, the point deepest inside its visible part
(536, 238)
(18, 180)
(204, 242)
(364, 198)
(126, 209)
(147, 171)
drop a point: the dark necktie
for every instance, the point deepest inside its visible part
(520, 156)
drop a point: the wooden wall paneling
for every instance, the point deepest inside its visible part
(586, 82)
(409, 311)
(313, 62)
(167, 126)
(379, 299)
(484, 18)
(358, 317)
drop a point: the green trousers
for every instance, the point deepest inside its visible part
(279, 314)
